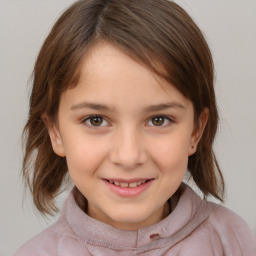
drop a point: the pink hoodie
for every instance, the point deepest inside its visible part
(194, 228)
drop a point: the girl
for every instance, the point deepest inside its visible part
(123, 105)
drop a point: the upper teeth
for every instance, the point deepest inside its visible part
(126, 184)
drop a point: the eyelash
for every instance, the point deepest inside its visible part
(88, 118)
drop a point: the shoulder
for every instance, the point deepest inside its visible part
(47, 242)
(220, 227)
(224, 218)
(218, 216)
(231, 229)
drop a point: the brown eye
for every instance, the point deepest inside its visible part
(96, 120)
(158, 120)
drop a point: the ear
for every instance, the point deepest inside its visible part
(55, 137)
(198, 131)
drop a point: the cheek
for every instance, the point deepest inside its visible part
(84, 156)
(171, 153)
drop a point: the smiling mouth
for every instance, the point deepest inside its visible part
(128, 184)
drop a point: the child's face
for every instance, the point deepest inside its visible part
(141, 131)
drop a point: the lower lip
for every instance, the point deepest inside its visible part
(128, 192)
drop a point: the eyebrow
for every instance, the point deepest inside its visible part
(163, 106)
(89, 105)
(151, 108)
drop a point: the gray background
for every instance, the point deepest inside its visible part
(230, 28)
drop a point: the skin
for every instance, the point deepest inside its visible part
(127, 142)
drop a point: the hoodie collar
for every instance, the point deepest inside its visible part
(189, 213)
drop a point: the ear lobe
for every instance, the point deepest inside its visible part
(198, 131)
(54, 135)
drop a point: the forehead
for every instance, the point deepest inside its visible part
(109, 76)
(104, 60)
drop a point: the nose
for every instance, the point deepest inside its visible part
(128, 149)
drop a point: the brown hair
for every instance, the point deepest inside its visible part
(151, 32)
